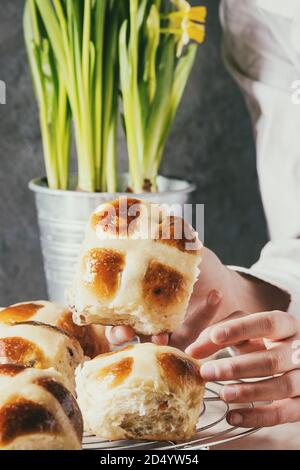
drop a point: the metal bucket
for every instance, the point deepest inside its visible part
(63, 215)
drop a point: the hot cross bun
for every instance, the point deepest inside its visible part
(40, 346)
(91, 338)
(137, 267)
(144, 391)
(36, 411)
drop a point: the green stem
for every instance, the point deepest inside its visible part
(49, 151)
(35, 26)
(86, 45)
(98, 84)
(111, 149)
(129, 117)
(110, 101)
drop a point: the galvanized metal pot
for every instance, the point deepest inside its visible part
(63, 215)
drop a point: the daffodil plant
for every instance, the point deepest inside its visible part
(79, 39)
(54, 109)
(156, 58)
(81, 53)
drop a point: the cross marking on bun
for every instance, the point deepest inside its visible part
(91, 338)
(137, 266)
(33, 344)
(143, 392)
(37, 412)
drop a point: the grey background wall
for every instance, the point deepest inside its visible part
(211, 142)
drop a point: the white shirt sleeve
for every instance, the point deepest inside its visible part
(286, 8)
(279, 265)
(261, 55)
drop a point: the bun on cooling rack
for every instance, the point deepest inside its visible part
(41, 346)
(137, 267)
(91, 338)
(143, 392)
(37, 412)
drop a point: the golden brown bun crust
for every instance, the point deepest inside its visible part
(176, 232)
(102, 269)
(118, 370)
(92, 339)
(34, 344)
(17, 350)
(162, 286)
(20, 417)
(178, 371)
(20, 312)
(117, 217)
(37, 411)
(11, 370)
(142, 392)
(137, 267)
(66, 400)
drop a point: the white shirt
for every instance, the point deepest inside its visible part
(262, 51)
(286, 8)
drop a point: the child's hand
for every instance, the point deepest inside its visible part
(274, 339)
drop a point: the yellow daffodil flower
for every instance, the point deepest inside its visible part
(187, 23)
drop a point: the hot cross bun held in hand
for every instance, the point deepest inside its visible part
(36, 411)
(137, 267)
(144, 392)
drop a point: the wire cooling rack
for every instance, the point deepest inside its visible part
(212, 430)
